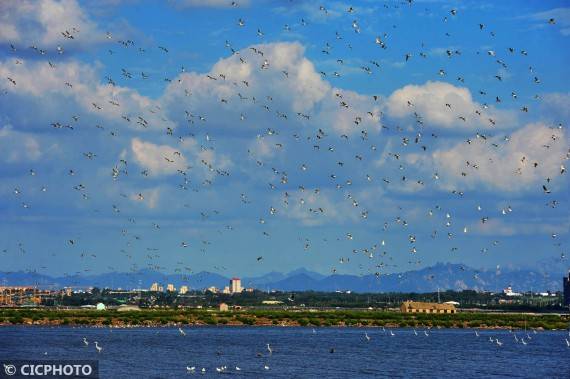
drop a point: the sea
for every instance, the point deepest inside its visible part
(296, 352)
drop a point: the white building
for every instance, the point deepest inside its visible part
(509, 292)
(183, 290)
(235, 285)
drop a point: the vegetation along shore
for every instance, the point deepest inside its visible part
(314, 318)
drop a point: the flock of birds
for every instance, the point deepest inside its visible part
(367, 338)
(283, 180)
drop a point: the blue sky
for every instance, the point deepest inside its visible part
(165, 135)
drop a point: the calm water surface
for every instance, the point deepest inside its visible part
(297, 352)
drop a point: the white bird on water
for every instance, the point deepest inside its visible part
(426, 333)
(416, 333)
(498, 342)
(85, 341)
(203, 370)
(238, 369)
(366, 336)
(182, 331)
(269, 349)
(523, 341)
(266, 367)
(567, 342)
(190, 369)
(99, 348)
(392, 333)
(476, 334)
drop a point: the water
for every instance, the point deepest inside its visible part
(297, 352)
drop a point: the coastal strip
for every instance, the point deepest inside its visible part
(281, 317)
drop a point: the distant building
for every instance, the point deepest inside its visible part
(170, 287)
(509, 292)
(226, 290)
(183, 290)
(212, 289)
(271, 302)
(101, 307)
(224, 307)
(566, 283)
(127, 308)
(154, 287)
(419, 307)
(68, 291)
(235, 285)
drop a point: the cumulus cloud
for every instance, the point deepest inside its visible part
(72, 88)
(158, 159)
(31, 23)
(522, 162)
(167, 160)
(265, 84)
(444, 105)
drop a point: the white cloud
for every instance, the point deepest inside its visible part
(41, 23)
(168, 160)
(502, 165)
(158, 159)
(44, 89)
(442, 104)
(289, 84)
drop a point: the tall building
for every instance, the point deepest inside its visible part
(183, 290)
(154, 287)
(566, 283)
(170, 287)
(235, 285)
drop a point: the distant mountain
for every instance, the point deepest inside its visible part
(429, 279)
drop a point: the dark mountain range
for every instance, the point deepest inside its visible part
(429, 279)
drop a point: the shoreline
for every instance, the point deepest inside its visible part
(155, 318)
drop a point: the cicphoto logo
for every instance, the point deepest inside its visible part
(50, 369)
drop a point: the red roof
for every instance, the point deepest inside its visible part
(236, 279)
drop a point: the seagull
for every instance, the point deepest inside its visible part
(238, 369)
(190, 369)
(498, 342)
(85, 341)
(366, 336)
(416, 333)
(99, 348)
(476, 333)
(567, 342)
(182, 331)
(392, 333)
(266, 367)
